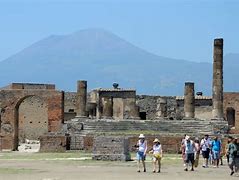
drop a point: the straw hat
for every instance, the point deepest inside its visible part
(156, 140)
(141, 136)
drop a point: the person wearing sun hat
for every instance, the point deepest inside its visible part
(189, 148)
(157, 155)
(141, 151)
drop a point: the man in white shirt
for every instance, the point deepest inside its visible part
(205, 146)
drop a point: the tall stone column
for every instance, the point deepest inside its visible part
(217, 83)
(107, 107)
(189, 100)
(81, 98)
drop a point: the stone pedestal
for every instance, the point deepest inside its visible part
(111, 148)
(81, 98)
(217, 84)
(189, 100)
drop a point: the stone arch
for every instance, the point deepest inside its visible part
(31, 118)
(230, 115)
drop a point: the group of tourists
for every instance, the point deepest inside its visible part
(210, 149)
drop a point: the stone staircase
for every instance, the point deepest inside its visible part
(192, 126)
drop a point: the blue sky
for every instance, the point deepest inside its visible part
(182, 29)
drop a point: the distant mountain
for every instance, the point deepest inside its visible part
(102, 58)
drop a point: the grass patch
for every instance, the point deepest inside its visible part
(43, 156)
(15, 170)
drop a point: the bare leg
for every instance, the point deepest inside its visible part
(144, 165)
(138, 163)
(206, 162)
(159, 164)
(154, 166)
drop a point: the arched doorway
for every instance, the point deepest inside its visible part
(231, 116)
(31, 119)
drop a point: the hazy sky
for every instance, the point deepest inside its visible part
(182, 29)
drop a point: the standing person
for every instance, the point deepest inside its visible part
(236, 156)
(141, 151)
(183, 150)
(157, 155)
(189, 147)
(216, 151)
(232, 149)
(227, 151)
(197, 152)
(205, 146)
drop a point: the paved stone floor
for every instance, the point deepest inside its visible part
(52, 167)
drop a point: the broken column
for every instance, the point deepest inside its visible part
(189, 100)
(81, 98)
(162, 108)
(217, 84)
(107, 107)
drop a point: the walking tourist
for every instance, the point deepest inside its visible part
(183, 150)
(141, 151)
(205, 147)
(232, 151)
(189, 147)
(197, 151)
(157, 155)
(216, 151)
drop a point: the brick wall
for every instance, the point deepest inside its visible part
(11, 101)
(54, 143)
(33, 118)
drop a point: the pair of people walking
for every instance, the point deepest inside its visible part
(156, 151)
(211, 150)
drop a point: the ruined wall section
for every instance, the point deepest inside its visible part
(203, 107)
(231, 100)
(10, 100)
(149, 104)
(33, 118)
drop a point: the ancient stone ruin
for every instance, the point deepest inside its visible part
(107, 121)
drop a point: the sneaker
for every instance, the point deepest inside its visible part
(232, 173)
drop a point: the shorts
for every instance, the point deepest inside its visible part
(215, 155)
(231, 161)
(190, 158)
(156, 157)
(205, 154)
(140, 156)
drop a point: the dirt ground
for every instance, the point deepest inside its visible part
(16, 166)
